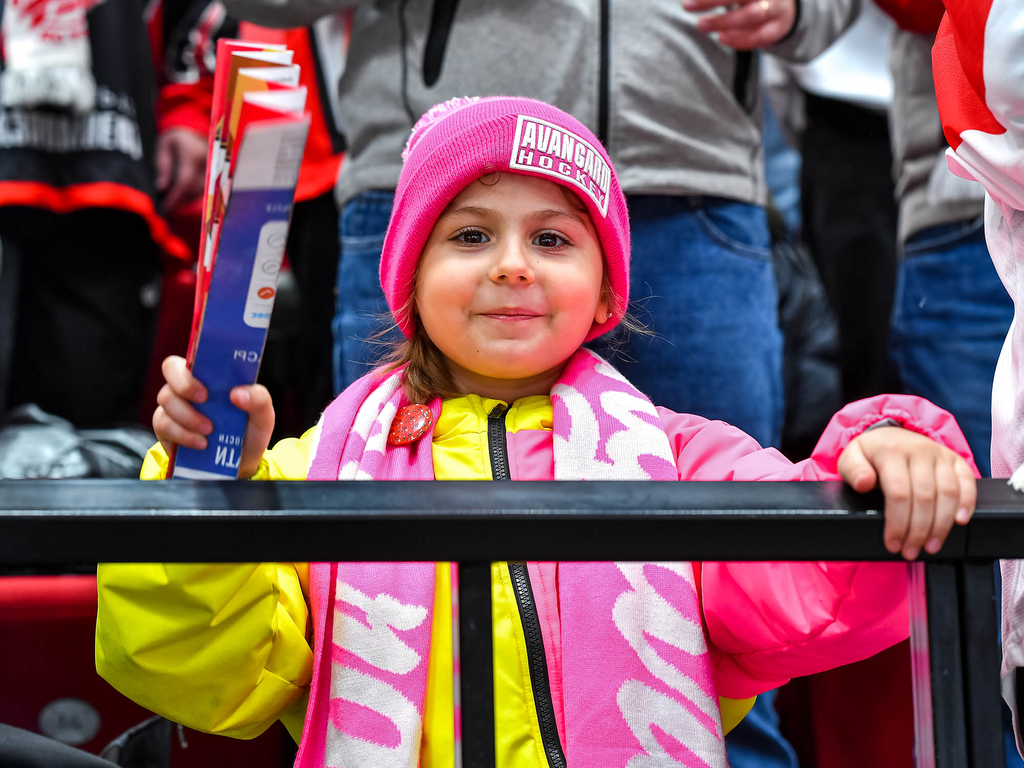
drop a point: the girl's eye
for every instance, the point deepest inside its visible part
(549, 240)
(471, 237)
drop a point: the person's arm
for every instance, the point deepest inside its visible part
(818, 24)
(768, 622)
(713, 450)
(794, 30)
(185, 34)
(218, 648)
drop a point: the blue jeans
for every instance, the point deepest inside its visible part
(702, 280)
(756, 742)
(361, 311)
(950, 317)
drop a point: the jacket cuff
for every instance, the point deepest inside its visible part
(796, 22)
(907, 411)
(154, 466)
(185, 106)
(262, 470)
(817, 24)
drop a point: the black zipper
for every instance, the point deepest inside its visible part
(322, 88)
(441, 20)
(745, 81)
(403, 43)
(603, 76)
(538, 665)
(537, 659)
(496, 443)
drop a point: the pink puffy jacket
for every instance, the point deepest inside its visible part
(768, 622)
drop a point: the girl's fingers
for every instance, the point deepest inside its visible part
(182, 412)
(894, 478)
(922, 510)
(855, 468)
(968, 491)
(947, 501)
(169, 431)
(180, 379)
(255, 401)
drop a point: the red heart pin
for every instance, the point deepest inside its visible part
(410, 424)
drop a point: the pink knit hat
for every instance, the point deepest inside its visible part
(457, 142)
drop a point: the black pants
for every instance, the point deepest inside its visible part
(78, 302)
(849, 224)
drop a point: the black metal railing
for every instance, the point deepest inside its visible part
(953, 595)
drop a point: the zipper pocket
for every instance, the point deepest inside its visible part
(538, 664)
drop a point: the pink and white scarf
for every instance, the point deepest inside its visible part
(637, 680)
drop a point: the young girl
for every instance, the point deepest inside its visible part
(508, 250)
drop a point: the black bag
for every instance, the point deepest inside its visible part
(23, 749)
(146, 745)
(36, 444)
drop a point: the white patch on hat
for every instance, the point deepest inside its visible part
(543, 147)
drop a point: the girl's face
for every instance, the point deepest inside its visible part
(509, 283)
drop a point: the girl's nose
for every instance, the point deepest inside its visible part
(511, 264)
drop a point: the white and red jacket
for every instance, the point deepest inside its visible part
(978, 60)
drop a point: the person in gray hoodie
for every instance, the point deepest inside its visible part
(678, 106)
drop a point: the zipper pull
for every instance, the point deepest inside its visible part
(496, 443)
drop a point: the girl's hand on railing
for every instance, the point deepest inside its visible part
(176, 421)
(927, 486)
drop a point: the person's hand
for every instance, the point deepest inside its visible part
(746, 24)
(926, 486)
(180, 166)
(176, 421)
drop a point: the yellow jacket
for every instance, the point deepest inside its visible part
(226, 648)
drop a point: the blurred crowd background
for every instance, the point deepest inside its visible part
(798, 241)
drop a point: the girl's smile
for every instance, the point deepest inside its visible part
(512, 314)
